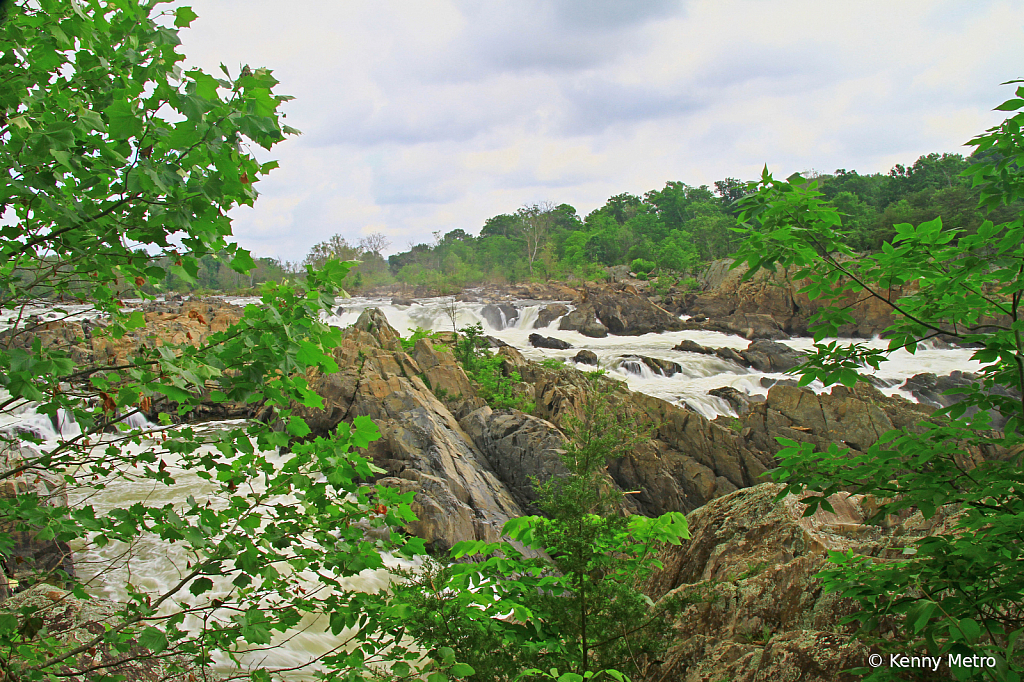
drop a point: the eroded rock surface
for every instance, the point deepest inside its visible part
(753, 608)
(77, 622)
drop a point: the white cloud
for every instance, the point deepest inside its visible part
(434, 115)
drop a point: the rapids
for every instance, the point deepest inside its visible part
(156, 566)
(700, 373)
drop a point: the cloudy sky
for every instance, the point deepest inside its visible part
(432, 115)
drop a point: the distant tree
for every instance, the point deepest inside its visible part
(335, 248)
(457, 235)
(503, 225)
(730, 189)
(375, 242)
(534, 224)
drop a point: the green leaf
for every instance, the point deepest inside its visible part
(200, 585)
(123, 121)
(184, 16)
(462, 670)
(971, 629)
(297, 427)
(1010, 105)
(153, 639)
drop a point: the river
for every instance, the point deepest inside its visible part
(155, 565)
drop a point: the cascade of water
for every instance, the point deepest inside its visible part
(699, 373)
(527, 317)
(636, 367)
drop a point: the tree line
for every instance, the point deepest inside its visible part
(679, 228)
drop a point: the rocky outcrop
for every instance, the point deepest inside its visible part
(763, 355)
(549, 314)
(584, 320)
(633, 364)
(626, 313)
(768, 305)
(414, 398)
(75, 622)
(538, 341)
(740, 402)
(167, 322)
(520, 448)
(930, 389)
(768, 356)
(500, 315)
(749, 326)
(586, 357)
(30, 559)
(751, 606)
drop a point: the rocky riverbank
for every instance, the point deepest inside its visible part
(753, 606)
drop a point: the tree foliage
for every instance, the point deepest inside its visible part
(574, 611)
(954, 592)
(119, 168)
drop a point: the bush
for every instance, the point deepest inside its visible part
(956, 592)
(641, 266)
(580, 611)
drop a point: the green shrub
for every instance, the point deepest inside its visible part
(956, 592)
(641, 266)
(581, 610)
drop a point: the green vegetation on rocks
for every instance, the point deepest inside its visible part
(958, 592)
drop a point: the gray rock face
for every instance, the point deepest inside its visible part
(749, 326)
(584, 320)
(538, 341)
(769, 356)
(76, 622)
(549, 314)
(500, 315)
(740, 402)
(618, 273)
(519, 448)
(626, 313)
(29, 558)
(586, 357)
(754, 609)
(423, 449)
(762, 354)
(930, 390)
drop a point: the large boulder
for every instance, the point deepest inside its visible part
(521, 449)
(749, 326)
(586, 357)
(930, 389)
(625, 313)
(549, 314)
(500, 315)
(538, 341)
(770, 356)
(751, 605)
(584, 320)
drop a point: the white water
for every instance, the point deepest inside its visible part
(156, 566)
(700, 373)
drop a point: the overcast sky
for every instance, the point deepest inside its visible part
(433, 115)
